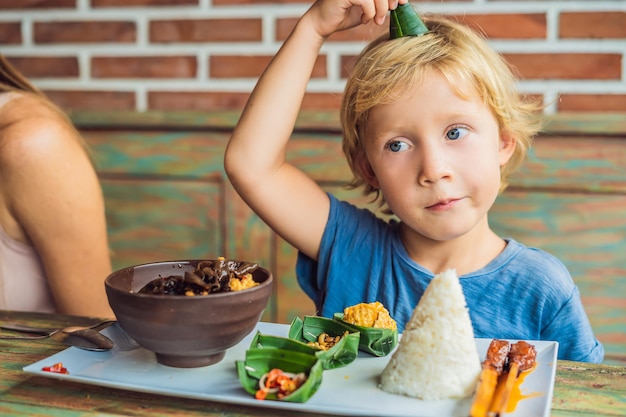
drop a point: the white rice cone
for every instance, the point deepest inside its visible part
(436, 357)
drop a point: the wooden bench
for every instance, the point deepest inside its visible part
(168, 198)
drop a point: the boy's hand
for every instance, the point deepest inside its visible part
(329, 16)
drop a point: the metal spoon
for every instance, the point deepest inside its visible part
(83, 337)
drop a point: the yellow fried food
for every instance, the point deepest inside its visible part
(243, 283)
(369, 315)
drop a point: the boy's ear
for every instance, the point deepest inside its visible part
(507, 147)
(366, 171)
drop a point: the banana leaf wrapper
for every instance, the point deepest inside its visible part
(266, 341)
(404, 21)
(260, 361)
(374, 340)
(341, 354)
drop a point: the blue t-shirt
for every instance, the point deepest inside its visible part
(524, 293)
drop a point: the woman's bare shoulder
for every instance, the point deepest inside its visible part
(31, 128)
(24, 105)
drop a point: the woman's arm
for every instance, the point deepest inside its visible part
(55, 197)
(283, 196)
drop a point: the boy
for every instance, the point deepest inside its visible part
(432, 128)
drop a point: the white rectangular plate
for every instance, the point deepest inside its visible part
(351, 390)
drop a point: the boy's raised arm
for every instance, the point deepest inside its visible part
(290, 202)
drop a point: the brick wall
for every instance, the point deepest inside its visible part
(206, 54)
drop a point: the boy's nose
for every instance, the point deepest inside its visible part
(433, 165)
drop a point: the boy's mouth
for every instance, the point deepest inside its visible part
(444, 204)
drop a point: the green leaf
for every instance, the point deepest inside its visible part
(342, 353)
(404, 21)
(374, 340)
(266, 341)
(259, 361)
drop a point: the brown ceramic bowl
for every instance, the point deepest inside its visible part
(185, 332)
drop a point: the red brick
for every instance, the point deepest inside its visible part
(135, 3)
(593, 25)
(567, 66)
(10, 33)
(37, 4)
(592, 102)
(237, 66)
(360, 33)
(507, 26)
(234, 66)
(215, 101)
(284, 26)
(203, 101)
(46, 66)
(92, 100)
(144, 67)
(347, 64)
(206, 30)
(322, 101)
(84, 32)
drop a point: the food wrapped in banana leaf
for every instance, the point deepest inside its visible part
(279, 374)
(268, 341)
(334, 343)
(379, 332)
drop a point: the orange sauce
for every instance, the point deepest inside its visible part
(516, 393)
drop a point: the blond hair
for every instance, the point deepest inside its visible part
(387, 67)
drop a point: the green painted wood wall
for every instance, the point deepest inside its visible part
(167, 198)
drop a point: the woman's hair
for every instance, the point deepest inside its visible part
(387, 67)
(12, 80)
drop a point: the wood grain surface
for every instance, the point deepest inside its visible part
(580, 389)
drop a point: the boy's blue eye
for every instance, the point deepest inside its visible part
(455, 133)
(397, 146)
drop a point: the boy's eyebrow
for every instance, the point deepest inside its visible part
(377, 135)
(468, 108)
(458, 115)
